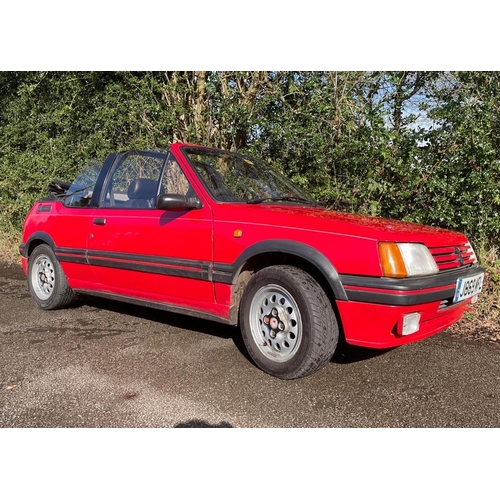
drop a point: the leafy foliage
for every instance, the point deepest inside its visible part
(422, 146)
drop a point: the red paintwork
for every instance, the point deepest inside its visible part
(151, 233)
(349, 241)
(374, 325)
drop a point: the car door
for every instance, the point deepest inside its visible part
(68, 224)
(141, 252)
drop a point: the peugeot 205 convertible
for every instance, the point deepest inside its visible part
(222, 236)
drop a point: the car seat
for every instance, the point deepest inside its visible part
(142, 193)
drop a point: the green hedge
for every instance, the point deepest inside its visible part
(356, 140)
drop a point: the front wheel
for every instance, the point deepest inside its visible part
(287, 322)
(46, 280)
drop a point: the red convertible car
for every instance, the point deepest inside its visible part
(222, 236)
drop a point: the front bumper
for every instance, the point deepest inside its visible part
(374, 313)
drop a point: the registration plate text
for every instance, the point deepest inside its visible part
(468, 287)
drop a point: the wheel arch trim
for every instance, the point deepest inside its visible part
(228, 273)
(26, 248)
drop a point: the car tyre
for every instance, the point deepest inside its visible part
(47, 282)
(287, 322)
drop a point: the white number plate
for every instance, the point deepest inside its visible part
(468, 287)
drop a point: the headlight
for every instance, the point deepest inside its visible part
(401, 260)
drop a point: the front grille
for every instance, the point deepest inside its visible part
(453, 257)
(445, 303)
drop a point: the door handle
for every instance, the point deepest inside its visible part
(99, 222)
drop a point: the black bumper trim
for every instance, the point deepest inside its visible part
(446, 278)
(399, 300)
(385, 290)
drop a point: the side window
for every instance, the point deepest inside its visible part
(134, 182)
(80, 192)
(174, 181)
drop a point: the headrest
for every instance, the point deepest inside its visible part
(142, 188)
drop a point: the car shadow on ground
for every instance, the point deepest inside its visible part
(172, 319)
(200, 424)
(182, 321)
(344, 354)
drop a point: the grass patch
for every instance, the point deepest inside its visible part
(483, 320)
(488, 306)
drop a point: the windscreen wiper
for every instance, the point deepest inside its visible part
(283, 198)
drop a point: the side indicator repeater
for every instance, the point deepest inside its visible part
(237, 233)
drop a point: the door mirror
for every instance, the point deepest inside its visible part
(177, 202)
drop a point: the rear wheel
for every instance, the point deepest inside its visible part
(46, 280)
(287, 322)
